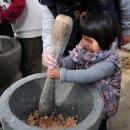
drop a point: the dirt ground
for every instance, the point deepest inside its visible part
(122, 119)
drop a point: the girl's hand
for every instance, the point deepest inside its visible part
(125, 39)
(53, 73)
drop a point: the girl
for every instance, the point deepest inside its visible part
(92, 61)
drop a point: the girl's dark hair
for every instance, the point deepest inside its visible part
(101, 26)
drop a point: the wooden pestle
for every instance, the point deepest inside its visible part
(60, 37)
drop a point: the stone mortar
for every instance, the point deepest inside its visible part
(23, 96)
(9, 60)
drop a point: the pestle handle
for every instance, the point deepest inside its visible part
(46, 104)
(61, 34)
(60, 37)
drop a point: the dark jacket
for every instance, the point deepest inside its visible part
(78, 10)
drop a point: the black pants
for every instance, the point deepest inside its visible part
(103, 125)
(6, 29)
(0, 126)
(31, 59)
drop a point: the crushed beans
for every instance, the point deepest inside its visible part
(52, 121)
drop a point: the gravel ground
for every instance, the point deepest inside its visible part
(122, 119)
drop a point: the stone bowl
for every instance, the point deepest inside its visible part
(22, 98)
(10, 56)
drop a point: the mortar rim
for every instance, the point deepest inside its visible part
(94, 115)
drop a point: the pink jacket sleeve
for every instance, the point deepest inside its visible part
(13, 11)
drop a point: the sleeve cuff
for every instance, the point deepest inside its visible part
(46, 48)
(62, 74)
(46, 41)
(63, 63)
(126, 31)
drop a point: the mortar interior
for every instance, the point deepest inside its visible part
(70, 99)
(7, 44)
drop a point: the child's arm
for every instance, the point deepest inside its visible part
(94, 73)
(68, 63)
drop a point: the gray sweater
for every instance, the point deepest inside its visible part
(125, 16)
(98, 71)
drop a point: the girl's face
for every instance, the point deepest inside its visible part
(90, 43)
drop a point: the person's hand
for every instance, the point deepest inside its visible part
(125, 39)
(4, 5)
(53, 73)
(48, 58)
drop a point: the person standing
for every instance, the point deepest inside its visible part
(124, 11)
(77, 10)
(27, 28)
